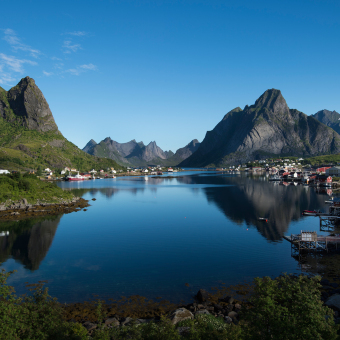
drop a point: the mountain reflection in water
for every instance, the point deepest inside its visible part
(248, 199)
(28, 241)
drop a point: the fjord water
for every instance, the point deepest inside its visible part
(152, 236)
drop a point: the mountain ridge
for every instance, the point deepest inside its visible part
(267, 128)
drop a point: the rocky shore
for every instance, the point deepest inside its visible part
(15, 210)
(225, 308)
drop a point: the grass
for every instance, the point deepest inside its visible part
(15, 187)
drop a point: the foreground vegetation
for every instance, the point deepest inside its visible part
(16, 187)
(284, 308)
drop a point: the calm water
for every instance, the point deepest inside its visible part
(151, 237)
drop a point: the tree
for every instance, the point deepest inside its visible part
(289, 307)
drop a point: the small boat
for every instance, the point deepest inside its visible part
(263, 219)
(77, 177)
(159, 173)
(311, 213)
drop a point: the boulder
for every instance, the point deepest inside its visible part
(126, 321)
(333, 301)
(112, 321)
(180, 314)
(228, 319)
(217, 307)
(201, 312)
(2, 207)
(89, 325)
(232, 315)
(202, 295)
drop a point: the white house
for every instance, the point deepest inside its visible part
(47, 170)
(145, 170)
(4, 172)
(334, 171)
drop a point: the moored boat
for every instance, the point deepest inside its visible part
(77, 177)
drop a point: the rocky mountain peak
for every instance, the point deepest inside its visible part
(28, 104)
(272, 100)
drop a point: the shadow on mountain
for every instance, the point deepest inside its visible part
(28, 241)
(244, 200)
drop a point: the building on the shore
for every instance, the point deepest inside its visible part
(333, 171)
(4, 172)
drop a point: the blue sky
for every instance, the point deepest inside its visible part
(169, 70)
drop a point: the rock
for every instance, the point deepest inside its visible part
(94, 199)
(217, 307)
(15, 213)
(229, 308)
(89, 325)
(333, 301)
(227, 299)
(180, 314)
(2, 207)
(199, 306)
(333, 285)
(112, 321)
(324, 282)
(228, 319)
(232, 315)
(126, 321)
(24, 201)
(202, 295)
(201, 312)
(237, 307)
(183, 330)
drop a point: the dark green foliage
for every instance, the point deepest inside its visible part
(37, 316)
(289, 308)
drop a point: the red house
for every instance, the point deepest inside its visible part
(323, 180)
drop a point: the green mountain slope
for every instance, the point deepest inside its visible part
(29, 136)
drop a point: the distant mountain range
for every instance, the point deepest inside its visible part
(138, 154)
(329, 118)
(29, 136)
(267, 129)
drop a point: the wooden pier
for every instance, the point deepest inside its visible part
(309, 241)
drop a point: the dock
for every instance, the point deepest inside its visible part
(311, 242)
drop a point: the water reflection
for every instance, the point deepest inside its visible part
(28, 241)
(245, 199)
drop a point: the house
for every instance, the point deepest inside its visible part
(145, 170)
(333, 171)
(323, 169)
(93, 171)
(47, 170)
(4, 172)
(323, 180)
(101, 171)
(73, 170)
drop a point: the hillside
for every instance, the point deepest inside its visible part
(29, 136)
(267, 128)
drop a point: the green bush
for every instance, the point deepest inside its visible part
(289, 307)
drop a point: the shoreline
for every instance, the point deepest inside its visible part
(21, 209)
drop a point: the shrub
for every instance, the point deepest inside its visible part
(289, 307)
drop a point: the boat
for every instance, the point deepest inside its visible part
(159, 173)
(263, 219)
(77, 177)
(311, 213)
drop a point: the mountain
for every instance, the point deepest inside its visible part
(329, 118)
(29, 135)
(138, 154)
(25, 104)
(266, 129)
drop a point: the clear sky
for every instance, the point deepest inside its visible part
(169, 70)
